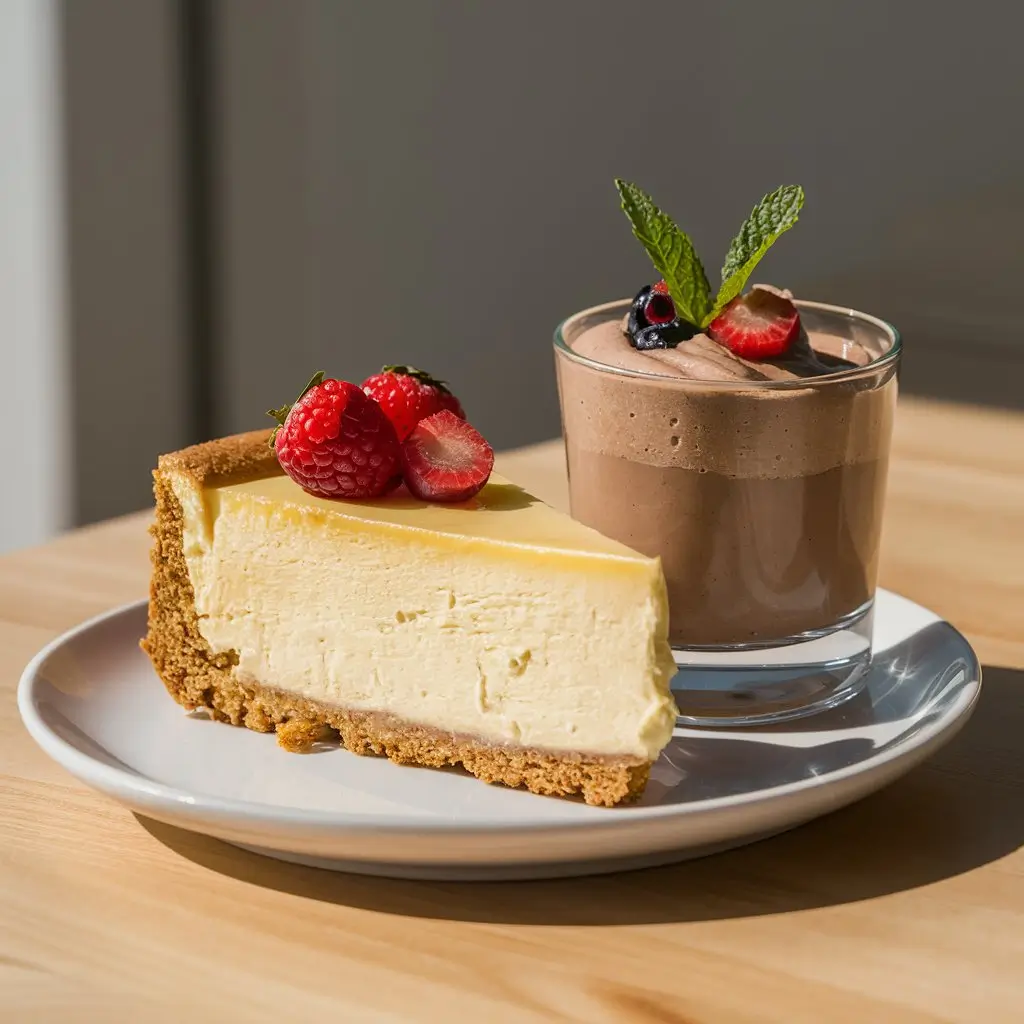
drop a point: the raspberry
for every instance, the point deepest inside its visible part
(335, 442)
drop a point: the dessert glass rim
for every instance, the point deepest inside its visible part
(889, 358)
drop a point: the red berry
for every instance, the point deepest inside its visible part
(758, 325)
(452, 404)
(445, 459)
(659, 287)
(335, 442)
(407, 395)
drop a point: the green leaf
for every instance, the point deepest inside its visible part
(776, 213)
(671, 252)
(421, 375)
(314, 382)
(280, 415)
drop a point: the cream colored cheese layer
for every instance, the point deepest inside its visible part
(498, 618)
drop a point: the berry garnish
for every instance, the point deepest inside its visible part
(335, 442)
(452, 404)
(758, 325)
(652, 321)
(675, 258)
(408, 395)
(659, 309)
(445, 459)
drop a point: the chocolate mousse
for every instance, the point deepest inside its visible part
(749, 452)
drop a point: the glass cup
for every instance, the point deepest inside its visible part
(763, 500)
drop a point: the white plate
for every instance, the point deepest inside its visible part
(93, 703)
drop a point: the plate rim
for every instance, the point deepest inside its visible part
(133, 787)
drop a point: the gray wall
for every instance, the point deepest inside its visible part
(32, 350)
(127, 301)
(430, 181)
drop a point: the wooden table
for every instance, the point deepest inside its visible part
(906, 907)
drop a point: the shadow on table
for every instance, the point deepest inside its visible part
(958, 812)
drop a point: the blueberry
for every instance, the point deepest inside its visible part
(660, 309)
(644, 335)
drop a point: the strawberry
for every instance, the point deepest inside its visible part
(758, 325)
(445, 459)
(335, 442)
(452, 404)
(408, 395)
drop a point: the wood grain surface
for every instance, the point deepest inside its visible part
(906, 907)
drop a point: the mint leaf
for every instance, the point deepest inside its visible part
(776, 213)
(671, 252)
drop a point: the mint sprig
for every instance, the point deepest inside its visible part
(776, 213)
(675, 258)
(671, 252)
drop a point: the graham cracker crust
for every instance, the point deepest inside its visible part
(226, 460)
(196, 677)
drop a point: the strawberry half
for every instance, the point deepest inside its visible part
(758, 325)
(445, 459)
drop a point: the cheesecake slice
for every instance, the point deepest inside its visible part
(496, 634)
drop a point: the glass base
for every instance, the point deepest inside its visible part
(744, 684)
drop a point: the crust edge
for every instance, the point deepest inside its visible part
(226, 460)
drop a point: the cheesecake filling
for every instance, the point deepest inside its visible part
(461, 626)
